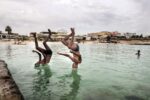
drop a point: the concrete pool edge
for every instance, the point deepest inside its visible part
(8, 87)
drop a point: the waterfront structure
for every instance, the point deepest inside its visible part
(129, 35)
(102, 35)
(8, 36)
(8, 87)
(56, 36)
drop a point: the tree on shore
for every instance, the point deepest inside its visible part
(8, 29)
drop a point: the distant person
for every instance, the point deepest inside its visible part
(47, 52)
(108, 38)
(74, 49)
(138, 53)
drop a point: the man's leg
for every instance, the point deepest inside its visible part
(40, 57)
(73, 34)
(36, 44)
(67, 55)
(45, 41)
(65, 40)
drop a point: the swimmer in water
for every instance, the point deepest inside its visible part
(138, 53)
(74, 49)
(47, 52)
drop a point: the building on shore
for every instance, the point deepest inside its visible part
(101, 36)
(129, 35)
(56, 36)
(87, 38)
(9, 36)
(80, 38)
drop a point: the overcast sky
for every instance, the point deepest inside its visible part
(25, 16)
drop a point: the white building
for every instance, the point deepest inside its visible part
(129, 35)
(8, 36)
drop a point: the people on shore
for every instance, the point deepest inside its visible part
(47, 52)
(74, 49)
(108, 39)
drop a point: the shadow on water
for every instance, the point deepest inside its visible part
(132, 97)
(41, 83)
(74, 86)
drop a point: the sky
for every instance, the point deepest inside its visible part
(25, 16)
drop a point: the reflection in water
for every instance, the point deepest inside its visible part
(8, 51)
(74, 86)
(41, 83)
(138, 56)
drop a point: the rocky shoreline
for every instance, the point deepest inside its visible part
(8, 88)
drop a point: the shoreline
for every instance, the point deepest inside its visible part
(129, 42)
(135, 42)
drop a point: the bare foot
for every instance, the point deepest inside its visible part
(49, 31)
(34, 34)
(72, 31)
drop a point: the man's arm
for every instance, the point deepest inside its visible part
(75, 53)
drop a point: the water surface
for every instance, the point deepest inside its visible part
(108, 72)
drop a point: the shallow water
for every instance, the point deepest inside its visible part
(108, 72)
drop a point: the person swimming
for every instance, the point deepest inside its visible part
(47, 52)
(74, 49)
(138, 53)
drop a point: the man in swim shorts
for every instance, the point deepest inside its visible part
(74, 49)
(47, 52)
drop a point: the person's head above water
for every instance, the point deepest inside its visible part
(139, 51)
